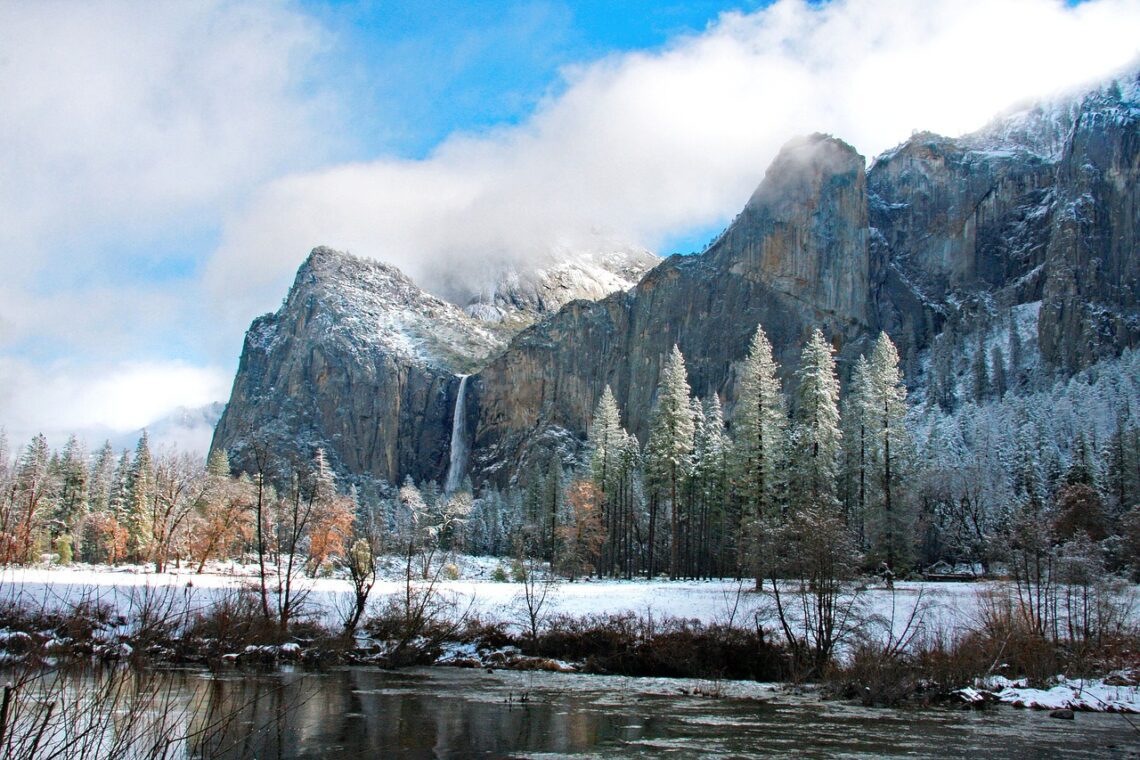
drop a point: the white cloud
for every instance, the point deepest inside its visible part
(128, 125)
(123, 123)
(64, 398)
(643, 146)
(128, 118)
(126, 122)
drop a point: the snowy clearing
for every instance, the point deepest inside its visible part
(945, 607)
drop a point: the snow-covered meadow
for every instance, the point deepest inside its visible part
(920, 608)
(943, 607)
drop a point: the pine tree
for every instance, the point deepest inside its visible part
(605, 436)
(816, 436)
(892, 445)
(711, 455)
(857, 433)
(100, 479)
(603, 443)
(630, 504)
(670, 444)
(942, 388)
(759, 427)
(33, 493)
(997, 372)
(979, 373)
(1015, 353)
(1121, 466)
(140, 486)
(73, 496)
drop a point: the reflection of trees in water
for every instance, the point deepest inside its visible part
(359, 712)
(117, 712)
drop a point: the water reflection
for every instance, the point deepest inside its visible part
(357, 712)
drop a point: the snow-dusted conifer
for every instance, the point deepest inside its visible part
(140, 493)
(759, 428)
(816, 435)
(670, 445)
(892, 449)
(857, 445)
(605, 438)
(73, 486)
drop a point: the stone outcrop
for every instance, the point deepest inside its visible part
(357, 361)
(361, 362)
(1091, 304)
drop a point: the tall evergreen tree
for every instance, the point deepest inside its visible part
(34, 491)
(711, 463)
(140, 495)
(100, 480)
(72, 504)
(759, 427)
(1016, 359)
(816, 436)
(670, 445)
(892, 446)
(1122, 468)
(997, 372)
(857, 433)
(979, 372)
(604, 439)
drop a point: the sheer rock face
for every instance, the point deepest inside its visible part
(1091, 305)
(796, 258)
(361, 362)
(1040, 205)
(358, 361)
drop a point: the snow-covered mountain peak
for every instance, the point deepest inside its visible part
(376, 305)
(522, 296)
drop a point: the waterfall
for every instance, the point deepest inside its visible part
(457, 467)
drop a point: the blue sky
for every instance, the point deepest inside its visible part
(426, 70)
(164, 167)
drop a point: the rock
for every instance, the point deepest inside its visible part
(1091, 303)
(1062, 714)
(794, 259)
(358, 361)
(363, 363)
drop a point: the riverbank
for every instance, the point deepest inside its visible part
(954, 652)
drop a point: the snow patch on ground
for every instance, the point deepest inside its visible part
(1090, 695)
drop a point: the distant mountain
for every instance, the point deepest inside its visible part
(1031, 220)
(187, 429)
(522, 297)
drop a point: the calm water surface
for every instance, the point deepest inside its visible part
(443, 712)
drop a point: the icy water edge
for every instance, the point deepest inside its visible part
(443, 712)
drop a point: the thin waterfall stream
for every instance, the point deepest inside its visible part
(457, 466)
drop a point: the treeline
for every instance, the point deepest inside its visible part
(912, 485)
(902, 486)
(145, 508)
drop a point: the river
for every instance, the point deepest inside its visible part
(442, 712)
